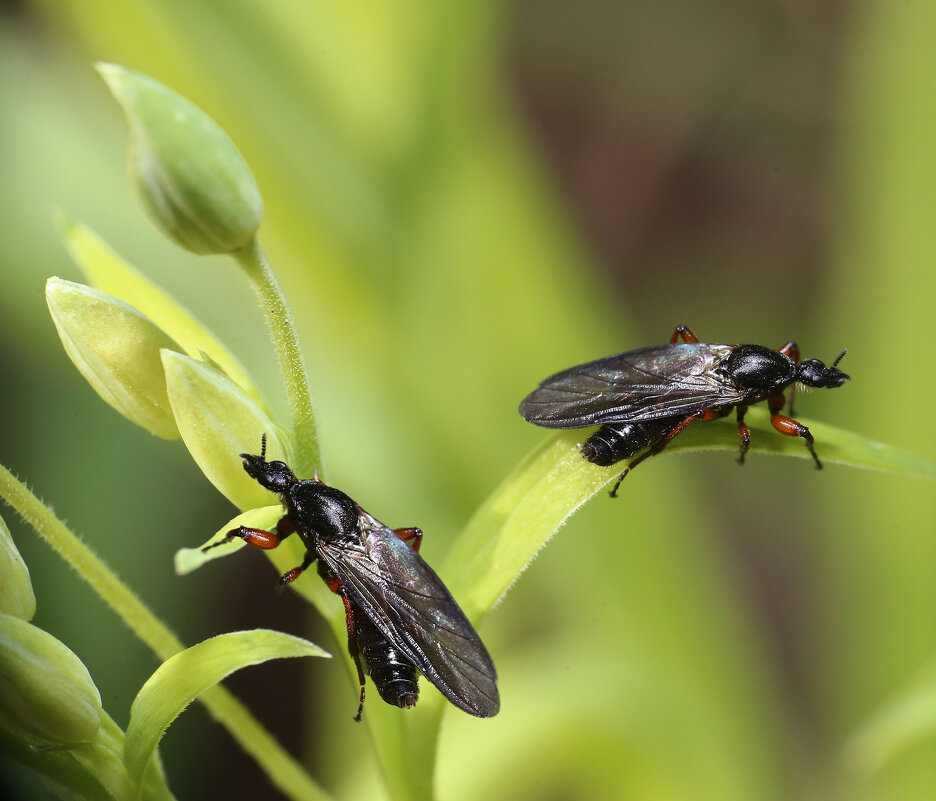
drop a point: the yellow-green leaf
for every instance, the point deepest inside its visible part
(185, 676)
(530, 505)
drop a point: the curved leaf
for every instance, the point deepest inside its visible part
(908, 719)
(530, 505)
(183, 677)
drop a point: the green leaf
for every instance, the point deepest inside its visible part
(16, 591)
(117, 350)
(908, 719)
(183, 677)
(189, 559)
(218, 421)
(530, 505)
(188, 175)
(107, 271)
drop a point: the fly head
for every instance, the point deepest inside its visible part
(813, 373)
(275, 476)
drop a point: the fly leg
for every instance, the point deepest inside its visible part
(410, 534)
(292, 575)
(684, 332)
(705, 414)
(339, 589)
(790, 427)
(791, 349)
(265, 540)
(257, 537)
(744, 433)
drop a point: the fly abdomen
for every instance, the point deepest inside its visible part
(616, 441)
(393, 674)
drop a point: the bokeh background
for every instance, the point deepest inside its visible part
(461, 198)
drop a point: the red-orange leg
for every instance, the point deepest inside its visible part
(684, 332)
(790, 427)
(411, 535)
(705, 414)
(292, 575)
(257, 537)
(339, 589)
(744, 433)
(791, 349)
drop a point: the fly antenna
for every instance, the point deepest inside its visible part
(839, 357)
(263, 440)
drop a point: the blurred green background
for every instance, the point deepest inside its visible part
(461, 198)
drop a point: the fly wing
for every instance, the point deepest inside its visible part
(643, 384)
(414, 610)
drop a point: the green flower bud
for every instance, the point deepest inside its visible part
(117, 350)
(186, 171)
(45, 689)
(218, 421)
(16, 593)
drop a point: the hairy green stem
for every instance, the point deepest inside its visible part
(405, 781)
(281, 768)
(289, 353)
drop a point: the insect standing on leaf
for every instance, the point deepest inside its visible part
(401, 618)
(645, 397)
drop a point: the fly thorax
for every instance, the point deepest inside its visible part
(324, 510)
(759, 369)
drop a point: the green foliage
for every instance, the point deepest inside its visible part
(185, 676)
(434, 279)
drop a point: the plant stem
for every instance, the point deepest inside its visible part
(402, 781)
(281, 768)
(289, 353)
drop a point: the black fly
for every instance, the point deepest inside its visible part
(401, 618)
(645, 397)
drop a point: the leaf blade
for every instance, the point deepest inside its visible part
(554, 481)
(183, 677)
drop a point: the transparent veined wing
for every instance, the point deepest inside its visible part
(644, 384)
(408, 603)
